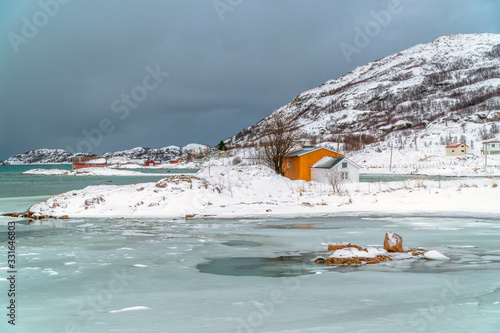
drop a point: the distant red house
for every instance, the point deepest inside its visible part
(89, 162)
(151, 163)
(177, 161)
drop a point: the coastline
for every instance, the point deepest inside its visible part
(255, 192)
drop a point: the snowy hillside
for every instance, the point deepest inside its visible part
(139, 154)
(452, 82)
(44, 156)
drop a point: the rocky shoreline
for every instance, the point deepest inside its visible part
(33, 216)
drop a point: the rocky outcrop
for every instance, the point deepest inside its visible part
(393, 242)
(350, 254)
(357, 260)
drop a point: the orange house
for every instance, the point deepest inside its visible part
(299, 162)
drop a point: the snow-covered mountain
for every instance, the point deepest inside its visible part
(56, 156)
(158, 154)
(451, 83)
(44, 156)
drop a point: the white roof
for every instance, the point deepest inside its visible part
(492, 140)
(328, 162)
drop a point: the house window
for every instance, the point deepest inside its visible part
(463, 151)
(289, 165)
(452, 151)
(344, 165)
(493, 145)
(345, 175)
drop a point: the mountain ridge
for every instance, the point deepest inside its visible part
(455, 78)
(60, 156)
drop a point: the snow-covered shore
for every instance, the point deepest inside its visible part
(89, 172)
(256, 191)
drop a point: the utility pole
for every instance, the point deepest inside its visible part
(390, 163)
(485, 155)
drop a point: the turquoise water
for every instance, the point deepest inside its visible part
(81, 275)
(375, 177)
(252, 276)
(14, 184)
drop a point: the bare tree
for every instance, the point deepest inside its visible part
(190, 156)
(277, 136)
(334, 177)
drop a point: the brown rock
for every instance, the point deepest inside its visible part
(64, 217)
(337, 261)
(375, 260)
(356, 261)
(12, 214)
(393, 242)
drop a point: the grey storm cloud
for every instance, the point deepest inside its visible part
(70, 67)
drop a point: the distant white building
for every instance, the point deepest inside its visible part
(347, 169)
(491, 147)
(215, 154)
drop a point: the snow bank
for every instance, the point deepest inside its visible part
(88, 172)
(256, 191)
(429, 158)
(435, 255)
(352, 252)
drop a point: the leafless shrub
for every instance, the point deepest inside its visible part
(236, 160)
(334, 177)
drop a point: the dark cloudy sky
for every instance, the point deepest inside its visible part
(71, 71)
